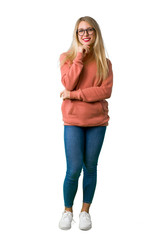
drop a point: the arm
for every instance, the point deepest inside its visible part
(70, 73)
(93, 94)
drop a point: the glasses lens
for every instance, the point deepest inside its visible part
(80, 32)
(90, 31)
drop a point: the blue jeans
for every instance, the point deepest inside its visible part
(82, 149)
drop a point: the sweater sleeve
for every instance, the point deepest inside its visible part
(70, 72)
(93, 94)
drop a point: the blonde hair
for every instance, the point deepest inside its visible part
(98, 47)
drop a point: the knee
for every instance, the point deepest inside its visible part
(73, 174)
(90, 169)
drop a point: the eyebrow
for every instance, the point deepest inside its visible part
(84, 28)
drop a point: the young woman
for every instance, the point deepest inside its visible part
(87, 76)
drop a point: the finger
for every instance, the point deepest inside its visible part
(61, 94)
(86, 46)
(87, 49)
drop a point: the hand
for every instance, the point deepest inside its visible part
(84, 49)
(65, 94)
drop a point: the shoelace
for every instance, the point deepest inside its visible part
(73, 221)
(85, 215)
(66, 215)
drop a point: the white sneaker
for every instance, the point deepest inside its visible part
(66, 220)
(85, 221)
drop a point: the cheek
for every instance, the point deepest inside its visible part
(79, 39)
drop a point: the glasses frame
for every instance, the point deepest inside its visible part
(86, 30)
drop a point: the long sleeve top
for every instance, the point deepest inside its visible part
(87, 105)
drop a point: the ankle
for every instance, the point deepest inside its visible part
(85, 210)
(68, 209)
(85, 207)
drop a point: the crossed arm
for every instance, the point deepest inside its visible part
(91, 94)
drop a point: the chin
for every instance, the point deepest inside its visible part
(87, 43)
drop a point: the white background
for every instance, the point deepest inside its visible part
(32, 159)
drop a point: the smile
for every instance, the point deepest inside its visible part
(86, 39)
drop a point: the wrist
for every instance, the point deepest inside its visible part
(75, 94)
(79, 57)
(80, 49)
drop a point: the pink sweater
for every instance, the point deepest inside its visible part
(87, 105)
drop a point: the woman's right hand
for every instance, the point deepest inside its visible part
(84, 49)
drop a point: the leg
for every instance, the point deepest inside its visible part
(85, 207)
(93, 143)
(74, 151)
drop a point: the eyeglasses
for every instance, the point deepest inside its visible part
(89, 31)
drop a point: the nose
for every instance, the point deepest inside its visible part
(86, 32)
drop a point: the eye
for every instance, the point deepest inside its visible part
(90, 29)
(80, 30)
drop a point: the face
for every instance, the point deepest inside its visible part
(89, 36)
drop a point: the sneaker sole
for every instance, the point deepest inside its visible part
(64, 228)
(85, 229)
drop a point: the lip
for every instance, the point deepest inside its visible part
(86, 39)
